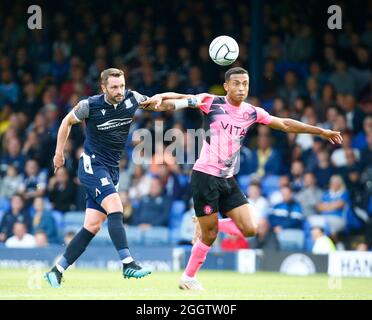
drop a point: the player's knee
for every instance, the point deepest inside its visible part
(93, 227)
(210, 236)
(250, 230)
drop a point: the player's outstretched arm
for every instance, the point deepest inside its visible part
(294, 126)
(172, 101)
(63, 132)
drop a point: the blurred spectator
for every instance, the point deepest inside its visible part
(360, 140)
(310, 195)
(266, 160)
(324, 170)
(9, 90)
(16, 213)
(62, 191)
(124, 175)
(322, 244)
(338, 157)
(290, 90)
(13, 156)
(333, 206)
(342, 79)
(171, 183)
(271, 80)
(32, 149)
(277, 196)
(69, 235)
(21, 238)
(30, 101)
(44, 221)
(354, 115)
(366, 155)
(153, 209)
(187, 227)
(127, 207)
(41, 239)
(10, 184)
(286, 222)
(261, 209)
(297, 176)
(76, 84)
(140, 183)
(34, 182)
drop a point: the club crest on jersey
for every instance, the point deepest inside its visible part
(103, 111)
(208, 209)
(104, 181)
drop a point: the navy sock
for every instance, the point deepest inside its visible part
(117, 234)
(75, 248)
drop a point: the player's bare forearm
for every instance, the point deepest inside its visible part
(178, 101)
(294, 126)
(63, 133)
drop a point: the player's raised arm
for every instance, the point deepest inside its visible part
(172, 101)
(79, 112)
(294, 126)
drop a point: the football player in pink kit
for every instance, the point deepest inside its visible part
(214, 188)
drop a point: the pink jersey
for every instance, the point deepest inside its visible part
(225, 126)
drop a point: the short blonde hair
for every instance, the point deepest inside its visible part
(111, 72)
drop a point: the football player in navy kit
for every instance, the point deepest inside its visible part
(108, 118)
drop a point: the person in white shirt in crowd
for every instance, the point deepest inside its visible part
(338, 156)
(21, 238)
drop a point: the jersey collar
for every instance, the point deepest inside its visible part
(115, 105)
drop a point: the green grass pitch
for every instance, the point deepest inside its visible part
(219, 285)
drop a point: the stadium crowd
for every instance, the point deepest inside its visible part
(301, 185)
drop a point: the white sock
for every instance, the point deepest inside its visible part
(59, 268)
(127, 260)
(186, 277)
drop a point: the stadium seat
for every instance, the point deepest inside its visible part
(175, 220)
(102, 237)
(74, 220)
(270, 184)
(176, 214)
(156, 236)
(60, 223)
(291, 239)
(244, 182)
(134, 235)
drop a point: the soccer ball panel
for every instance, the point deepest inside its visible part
(224, 50)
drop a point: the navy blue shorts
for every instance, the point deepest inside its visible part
(98, 180)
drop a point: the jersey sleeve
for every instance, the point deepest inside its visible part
(139, 97)
(263, 116)
(81, 110)
(208, 100)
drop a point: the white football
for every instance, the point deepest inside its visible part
(224, 50)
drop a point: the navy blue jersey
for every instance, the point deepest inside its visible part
(107, 125)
